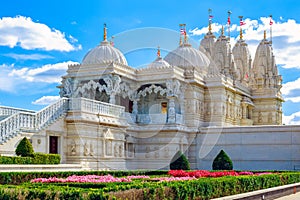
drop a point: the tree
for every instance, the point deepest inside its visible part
(24, 148)
(222, 162)
(179, 161)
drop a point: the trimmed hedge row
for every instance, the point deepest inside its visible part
(203, 188)
(37, 158)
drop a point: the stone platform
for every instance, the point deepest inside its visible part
(39, 168)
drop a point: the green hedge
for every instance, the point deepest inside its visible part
(37, 158)
(203, 188)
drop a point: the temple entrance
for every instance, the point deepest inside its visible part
(53, 144)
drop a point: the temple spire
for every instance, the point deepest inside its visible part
(104, 32)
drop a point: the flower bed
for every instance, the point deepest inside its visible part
(205, 173)
(131, 185)
(88, 179)
(176, 175)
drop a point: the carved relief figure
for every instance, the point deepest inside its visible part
(73, 148)
(85, 149)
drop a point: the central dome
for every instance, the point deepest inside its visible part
(104, 52)
(187, 56)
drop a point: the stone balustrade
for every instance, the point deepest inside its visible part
(157, 119)
(10, 126)
(96, 107)
(6, 111)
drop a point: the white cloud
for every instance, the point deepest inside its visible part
(28, 56)
(293, 99)
(215, 28)
(22, 31)
(46, 100)
(28, 80)
(50, 73)
(6, 83)
(288, 87)
(293, 119)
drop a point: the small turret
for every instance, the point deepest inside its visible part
(222, 56)
(242, 57)
(207, 43)
(266, 85)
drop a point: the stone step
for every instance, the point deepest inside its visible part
(39, 168)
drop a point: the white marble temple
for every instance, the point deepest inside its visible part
(199, 101)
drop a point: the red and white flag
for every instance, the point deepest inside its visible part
(182, 31)
(228, 20)
(242, 23)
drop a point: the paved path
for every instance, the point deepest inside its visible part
(290, 197)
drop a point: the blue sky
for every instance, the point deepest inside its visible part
(38, 39)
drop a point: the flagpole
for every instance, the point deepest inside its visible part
(228, 22)
(271, 23)
(209, 20)
(241, 30)
(182, 32)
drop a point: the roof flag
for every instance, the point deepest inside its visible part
(182, 31)
(242, 23)
(271, 21)
(228, 20)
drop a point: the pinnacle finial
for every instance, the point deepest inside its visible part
(265, 34)
(104, 32)
(182, 32)
(241, 33)
(158, 52)
(222, 31)
(185, 38)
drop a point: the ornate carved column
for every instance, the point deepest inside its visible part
(244, 111)
(135, 107)
(171, 110)
(113, 87)
(250, 112)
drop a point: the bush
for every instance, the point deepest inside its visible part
(179, 161)
(24, 148)
(222, 162)
(41, 158)
(37, 158)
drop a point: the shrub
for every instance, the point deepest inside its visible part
(179, 161)
(222, 162)
(24, 148)
(36, 158)
(41, 158)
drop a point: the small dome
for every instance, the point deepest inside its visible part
(104, 52)
(187, 56)
(159, 62)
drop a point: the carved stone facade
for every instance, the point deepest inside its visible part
(119, 117)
